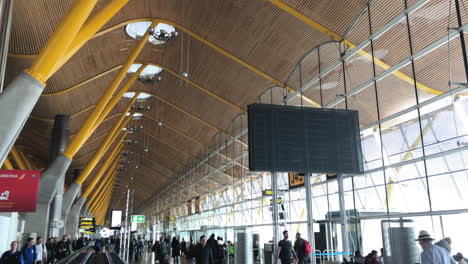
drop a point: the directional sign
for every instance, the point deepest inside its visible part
(138, 218)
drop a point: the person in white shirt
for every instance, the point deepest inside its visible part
(41, 252)
(432, 254)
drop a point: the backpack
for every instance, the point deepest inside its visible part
(307, 247)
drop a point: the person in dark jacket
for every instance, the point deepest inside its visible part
(212, 243)
(51, 250)
(300, 249)
(203, 253)
(220, 251)
(11, 256)
(63, 248)
(28, 252)
(175, 246)
(183, 247)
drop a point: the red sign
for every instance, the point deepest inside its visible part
(19, 190)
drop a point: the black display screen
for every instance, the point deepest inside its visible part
(291, 139)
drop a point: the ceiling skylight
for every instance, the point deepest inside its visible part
(160, 35)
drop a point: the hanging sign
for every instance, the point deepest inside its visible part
(296, 180)
(19, 190)
(267, 192)
(138, 218)
(87, 223)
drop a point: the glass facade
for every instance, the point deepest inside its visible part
(413, 105)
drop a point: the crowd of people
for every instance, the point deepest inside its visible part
(205, 251)
(34, 251)
(432, 253)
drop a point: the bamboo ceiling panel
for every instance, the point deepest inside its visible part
(336, 15)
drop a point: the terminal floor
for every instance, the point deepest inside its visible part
(147, 259)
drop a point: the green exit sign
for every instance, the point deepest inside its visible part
(138, 218)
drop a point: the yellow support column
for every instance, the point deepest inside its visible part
(61, 39)
(27, 162)
(109, 177)
(118, 126)
(103, 210)
(95, 207)
(17, 158)
(89, 29)
(115, 153)
(88, 128)
(7, 165)
(101, 197)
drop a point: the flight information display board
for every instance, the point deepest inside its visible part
(291, 139)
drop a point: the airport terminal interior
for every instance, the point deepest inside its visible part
(130, 129)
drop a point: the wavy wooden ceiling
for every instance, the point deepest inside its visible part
(256, 31)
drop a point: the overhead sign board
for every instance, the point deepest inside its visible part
(19, 190)
(296, 180)
(87, 223)
(138, 218)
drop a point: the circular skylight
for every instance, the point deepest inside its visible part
(138, 29)
(149, 71)
(140, 96)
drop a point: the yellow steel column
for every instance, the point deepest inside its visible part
(27, 162)
(101, 197)
(119, 95)
(88, 128)
(17, 158)
(115, 154)
(104, 147)
(88, 30)
(103, 210)
(109, 176)
(101, 200)
(7, 165)
(60, 40)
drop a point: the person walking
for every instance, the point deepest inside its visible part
(460, 259)
(432, 254)
(203, 253)
(50, 246)
(41, 251)
(285, 250)
(445, 243)
(372, 258)
(300, 249)
(183, 247)
(175, 246)
(28, 252)
(11, 256)
(63, 248)
(220, 251)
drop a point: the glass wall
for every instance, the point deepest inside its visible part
(405, 76)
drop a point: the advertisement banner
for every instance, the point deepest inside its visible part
(19, 190)
(116, 220)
